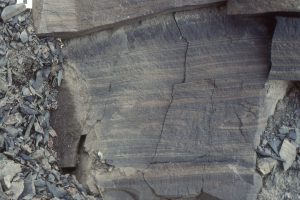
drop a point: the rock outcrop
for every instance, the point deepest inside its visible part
(262, 6)
(285, 59)
(173, 103)
(71, 18)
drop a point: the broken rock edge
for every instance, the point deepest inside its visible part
(77, 34)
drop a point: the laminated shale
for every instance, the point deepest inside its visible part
(171, 105)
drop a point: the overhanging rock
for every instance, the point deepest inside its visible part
(69, 18)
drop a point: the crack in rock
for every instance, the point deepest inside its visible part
(152, 189)
(241, 124)
(194, 196)
(182, 37)
(186, 48)
(248, 109)
(193, 160)
(213, 110)
(98, 121)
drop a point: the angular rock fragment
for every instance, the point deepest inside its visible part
(16, 190)
(265, 165)
(29, 127)
(14, 119)
(12, 131)
(288, 153)
(40, 185)
(55, 191)
(284, 130)
(29, 188)
(24, 36)
(6, 182)
(274, 144)
(38, 128)
(9, 168)
(38, 154)
(28, 110)
(12, 10)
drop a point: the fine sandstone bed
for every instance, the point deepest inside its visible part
(168, 100)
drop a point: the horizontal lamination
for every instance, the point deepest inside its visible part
(285, 61)
(92, 15)
(193, 106)
(108, 56)
(231, 41)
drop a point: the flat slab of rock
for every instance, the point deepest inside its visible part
(12, 10)
(288, 153)
(173, 102)
(76, 17)
(285, 48)
(265, 165)
(262, 6)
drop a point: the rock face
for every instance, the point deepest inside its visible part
(75, 17)
(285, 60)
(262, 6)
(172, 102)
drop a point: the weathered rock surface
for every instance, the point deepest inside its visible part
(262, 6)
(173, 103)
(76, 17)
(285, 48)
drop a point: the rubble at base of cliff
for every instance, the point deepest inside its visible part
(279, 152)
(31, 70)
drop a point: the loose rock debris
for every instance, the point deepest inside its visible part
(30, 71)
(279, 151)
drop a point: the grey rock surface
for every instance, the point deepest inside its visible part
(262, 6)
(12, 10)
(288, 153)
(285, 61)
(266, 165)
(9, 168)
(172, 105)
(76, 17)
(24, 36)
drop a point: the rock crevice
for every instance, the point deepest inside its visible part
(173, 86)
